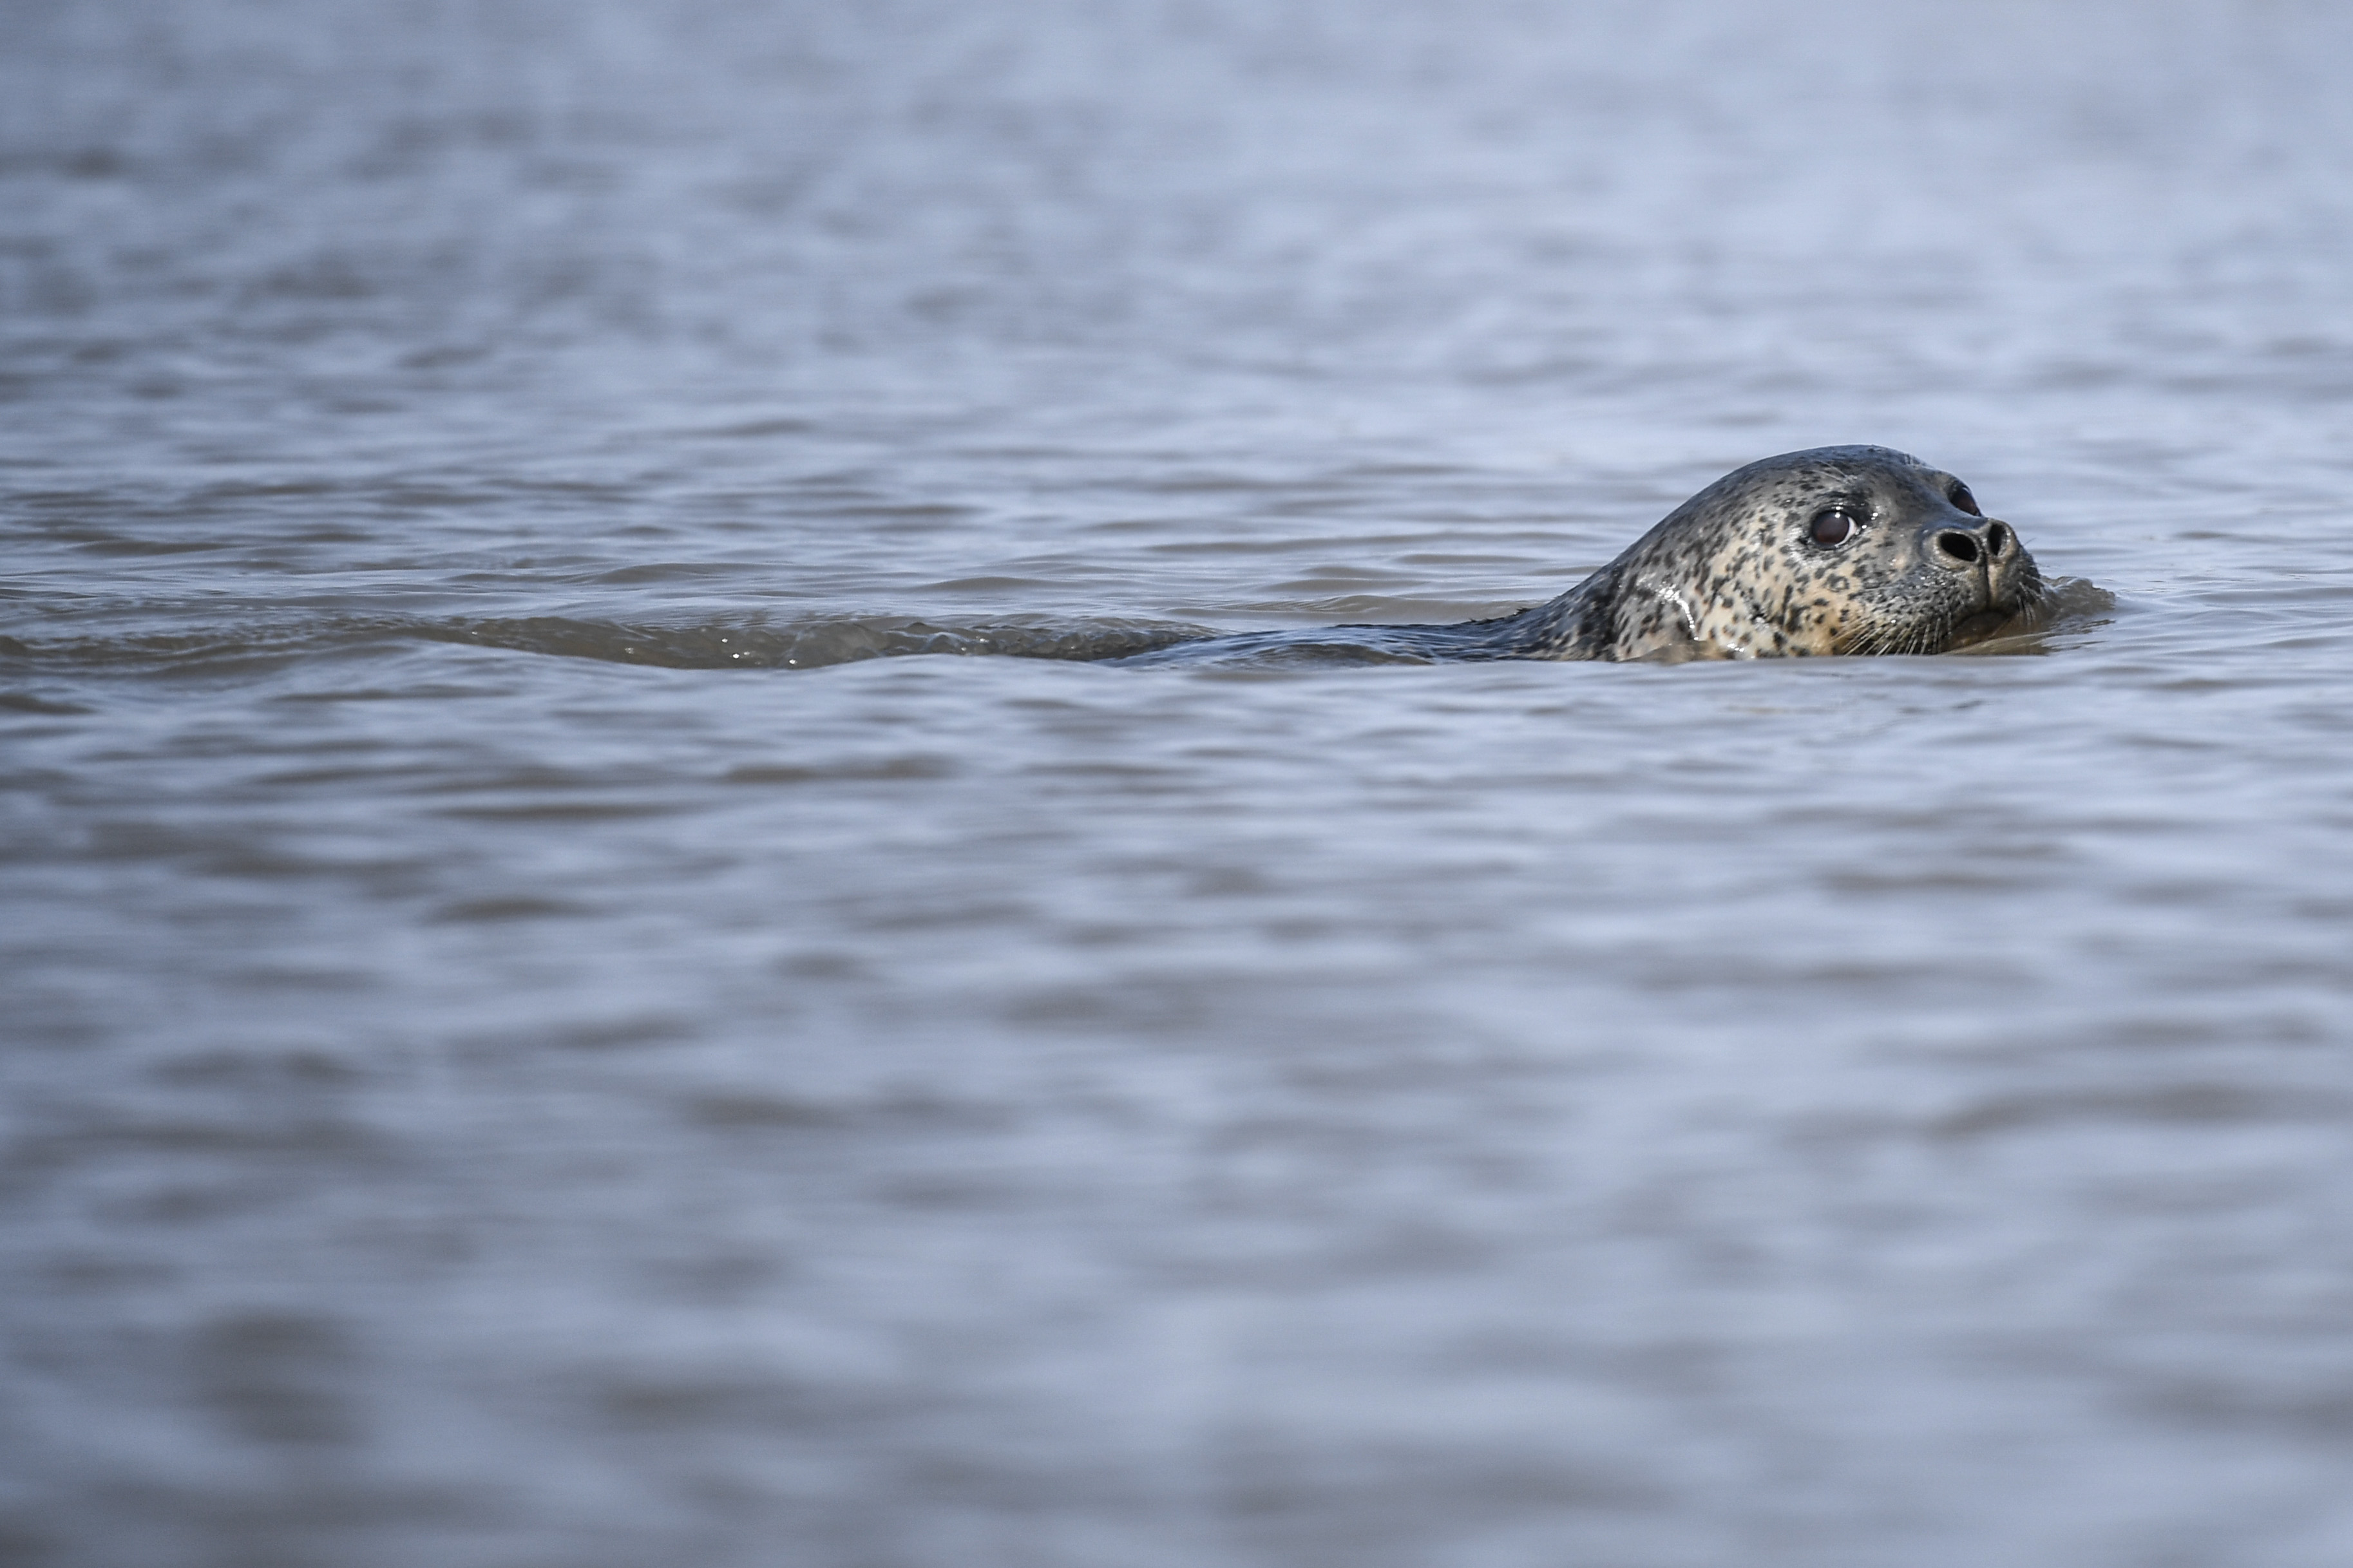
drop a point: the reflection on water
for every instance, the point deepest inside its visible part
(529, 1041)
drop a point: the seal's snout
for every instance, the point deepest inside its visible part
(1966, 548)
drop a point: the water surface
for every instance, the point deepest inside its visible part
(529, 1041)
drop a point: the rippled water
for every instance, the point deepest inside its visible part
(491, 1081)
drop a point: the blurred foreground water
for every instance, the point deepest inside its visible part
(488, 1083)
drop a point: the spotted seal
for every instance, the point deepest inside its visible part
(1839, 550)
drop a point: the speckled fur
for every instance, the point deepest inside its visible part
(1734, 573)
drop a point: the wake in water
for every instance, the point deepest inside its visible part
(1833, 550)
(1837, 550)
(2069, 607)
(753, 643)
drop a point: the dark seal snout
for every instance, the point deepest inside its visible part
(1970, 548)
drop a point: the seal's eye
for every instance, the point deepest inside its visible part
(1959, 496)
(1835, 526)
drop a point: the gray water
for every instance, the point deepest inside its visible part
(528, 1044)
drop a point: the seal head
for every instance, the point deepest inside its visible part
(1840, 549)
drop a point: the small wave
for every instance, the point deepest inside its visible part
(813, 644)
(2069, 606)
(750, 644)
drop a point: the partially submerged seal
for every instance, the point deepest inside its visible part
(1840, 549)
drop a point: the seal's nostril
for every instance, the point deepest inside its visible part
(1997, 539)
(1957, 545)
